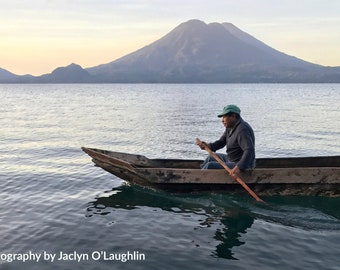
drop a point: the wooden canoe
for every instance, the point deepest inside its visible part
(272, 176)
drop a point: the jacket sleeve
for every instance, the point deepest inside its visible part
(220, 143)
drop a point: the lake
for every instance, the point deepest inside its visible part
(59, 211)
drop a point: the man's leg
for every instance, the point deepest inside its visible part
(211, 163)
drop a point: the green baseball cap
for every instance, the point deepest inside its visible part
(230, 109)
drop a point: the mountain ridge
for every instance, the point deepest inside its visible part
(197, 52)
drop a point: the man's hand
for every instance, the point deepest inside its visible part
(235, 172)
(201, 144)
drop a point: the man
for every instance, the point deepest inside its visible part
(240, 142)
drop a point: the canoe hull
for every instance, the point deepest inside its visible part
(321, 181)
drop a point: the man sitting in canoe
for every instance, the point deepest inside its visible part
(239, 139)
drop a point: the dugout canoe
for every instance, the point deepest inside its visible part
(318, 176)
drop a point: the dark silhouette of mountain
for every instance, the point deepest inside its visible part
(9, 77)
(208, 53)
(6, 75)
(196, 52)
(72, 73)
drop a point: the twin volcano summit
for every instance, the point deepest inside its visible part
(196, 52)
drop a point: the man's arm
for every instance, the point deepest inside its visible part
(247, 144)
(220, 143)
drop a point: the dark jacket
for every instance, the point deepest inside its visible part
(240, 142)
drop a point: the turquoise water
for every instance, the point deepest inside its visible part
(54, 200)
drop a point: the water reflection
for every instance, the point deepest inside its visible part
(235, 224)
(231, 220)
(310, 213)
(228, 217)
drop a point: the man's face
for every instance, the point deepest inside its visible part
(229, 120)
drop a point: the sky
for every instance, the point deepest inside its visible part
(38, 36)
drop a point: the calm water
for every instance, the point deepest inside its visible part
(54, 200)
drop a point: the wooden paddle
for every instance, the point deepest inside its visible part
(238, 179)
